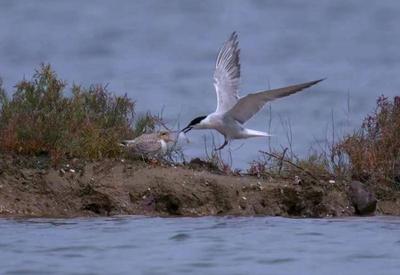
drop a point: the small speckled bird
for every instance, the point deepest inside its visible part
(149, 145)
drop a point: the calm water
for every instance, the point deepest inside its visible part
(162, 53)
(129, 245)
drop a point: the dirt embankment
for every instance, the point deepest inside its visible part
(113, 187)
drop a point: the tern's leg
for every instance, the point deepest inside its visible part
(222, 146)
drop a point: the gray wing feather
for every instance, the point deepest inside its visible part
(149, 147)
(227, 74)
(250, 104)
(145, 144)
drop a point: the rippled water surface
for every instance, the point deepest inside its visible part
(137, 245)
(162, 54)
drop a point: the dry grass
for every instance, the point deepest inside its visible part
(374, 149)
(371, 154)
(284, 165)
(39, 118)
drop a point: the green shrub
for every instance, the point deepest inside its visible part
(39, 118)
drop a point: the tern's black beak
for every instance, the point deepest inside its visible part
(194, 122)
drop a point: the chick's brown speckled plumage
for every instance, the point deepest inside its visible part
(149, 145)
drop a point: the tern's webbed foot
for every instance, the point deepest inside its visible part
(222, 146)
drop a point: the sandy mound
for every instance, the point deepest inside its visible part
(112, 187)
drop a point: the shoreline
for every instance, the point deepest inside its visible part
(122, 187)
(43, 172)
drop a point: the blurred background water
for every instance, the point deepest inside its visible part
(210, 245)
(162, 53)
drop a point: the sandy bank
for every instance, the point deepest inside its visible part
(111, 187)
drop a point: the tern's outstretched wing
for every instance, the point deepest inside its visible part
(227, 74)
(250, 104)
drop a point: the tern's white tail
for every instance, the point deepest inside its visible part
(255, 133)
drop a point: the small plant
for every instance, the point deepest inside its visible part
(145, 124)
(374, 149)
(214, 158)
(280, 165)
(40, 119)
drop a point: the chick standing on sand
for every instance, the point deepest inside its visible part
(149, 145)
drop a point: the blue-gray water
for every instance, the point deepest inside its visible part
(129, 245)
(162, 54)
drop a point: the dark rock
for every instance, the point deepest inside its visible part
(292, 202)
(168, 203)
(98, 203)
(199, 164)
(364, 201)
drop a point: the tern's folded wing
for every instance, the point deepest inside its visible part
(147, 147)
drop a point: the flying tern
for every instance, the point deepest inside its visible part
(233, 111)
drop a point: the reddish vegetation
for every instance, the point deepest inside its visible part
(374, 150)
